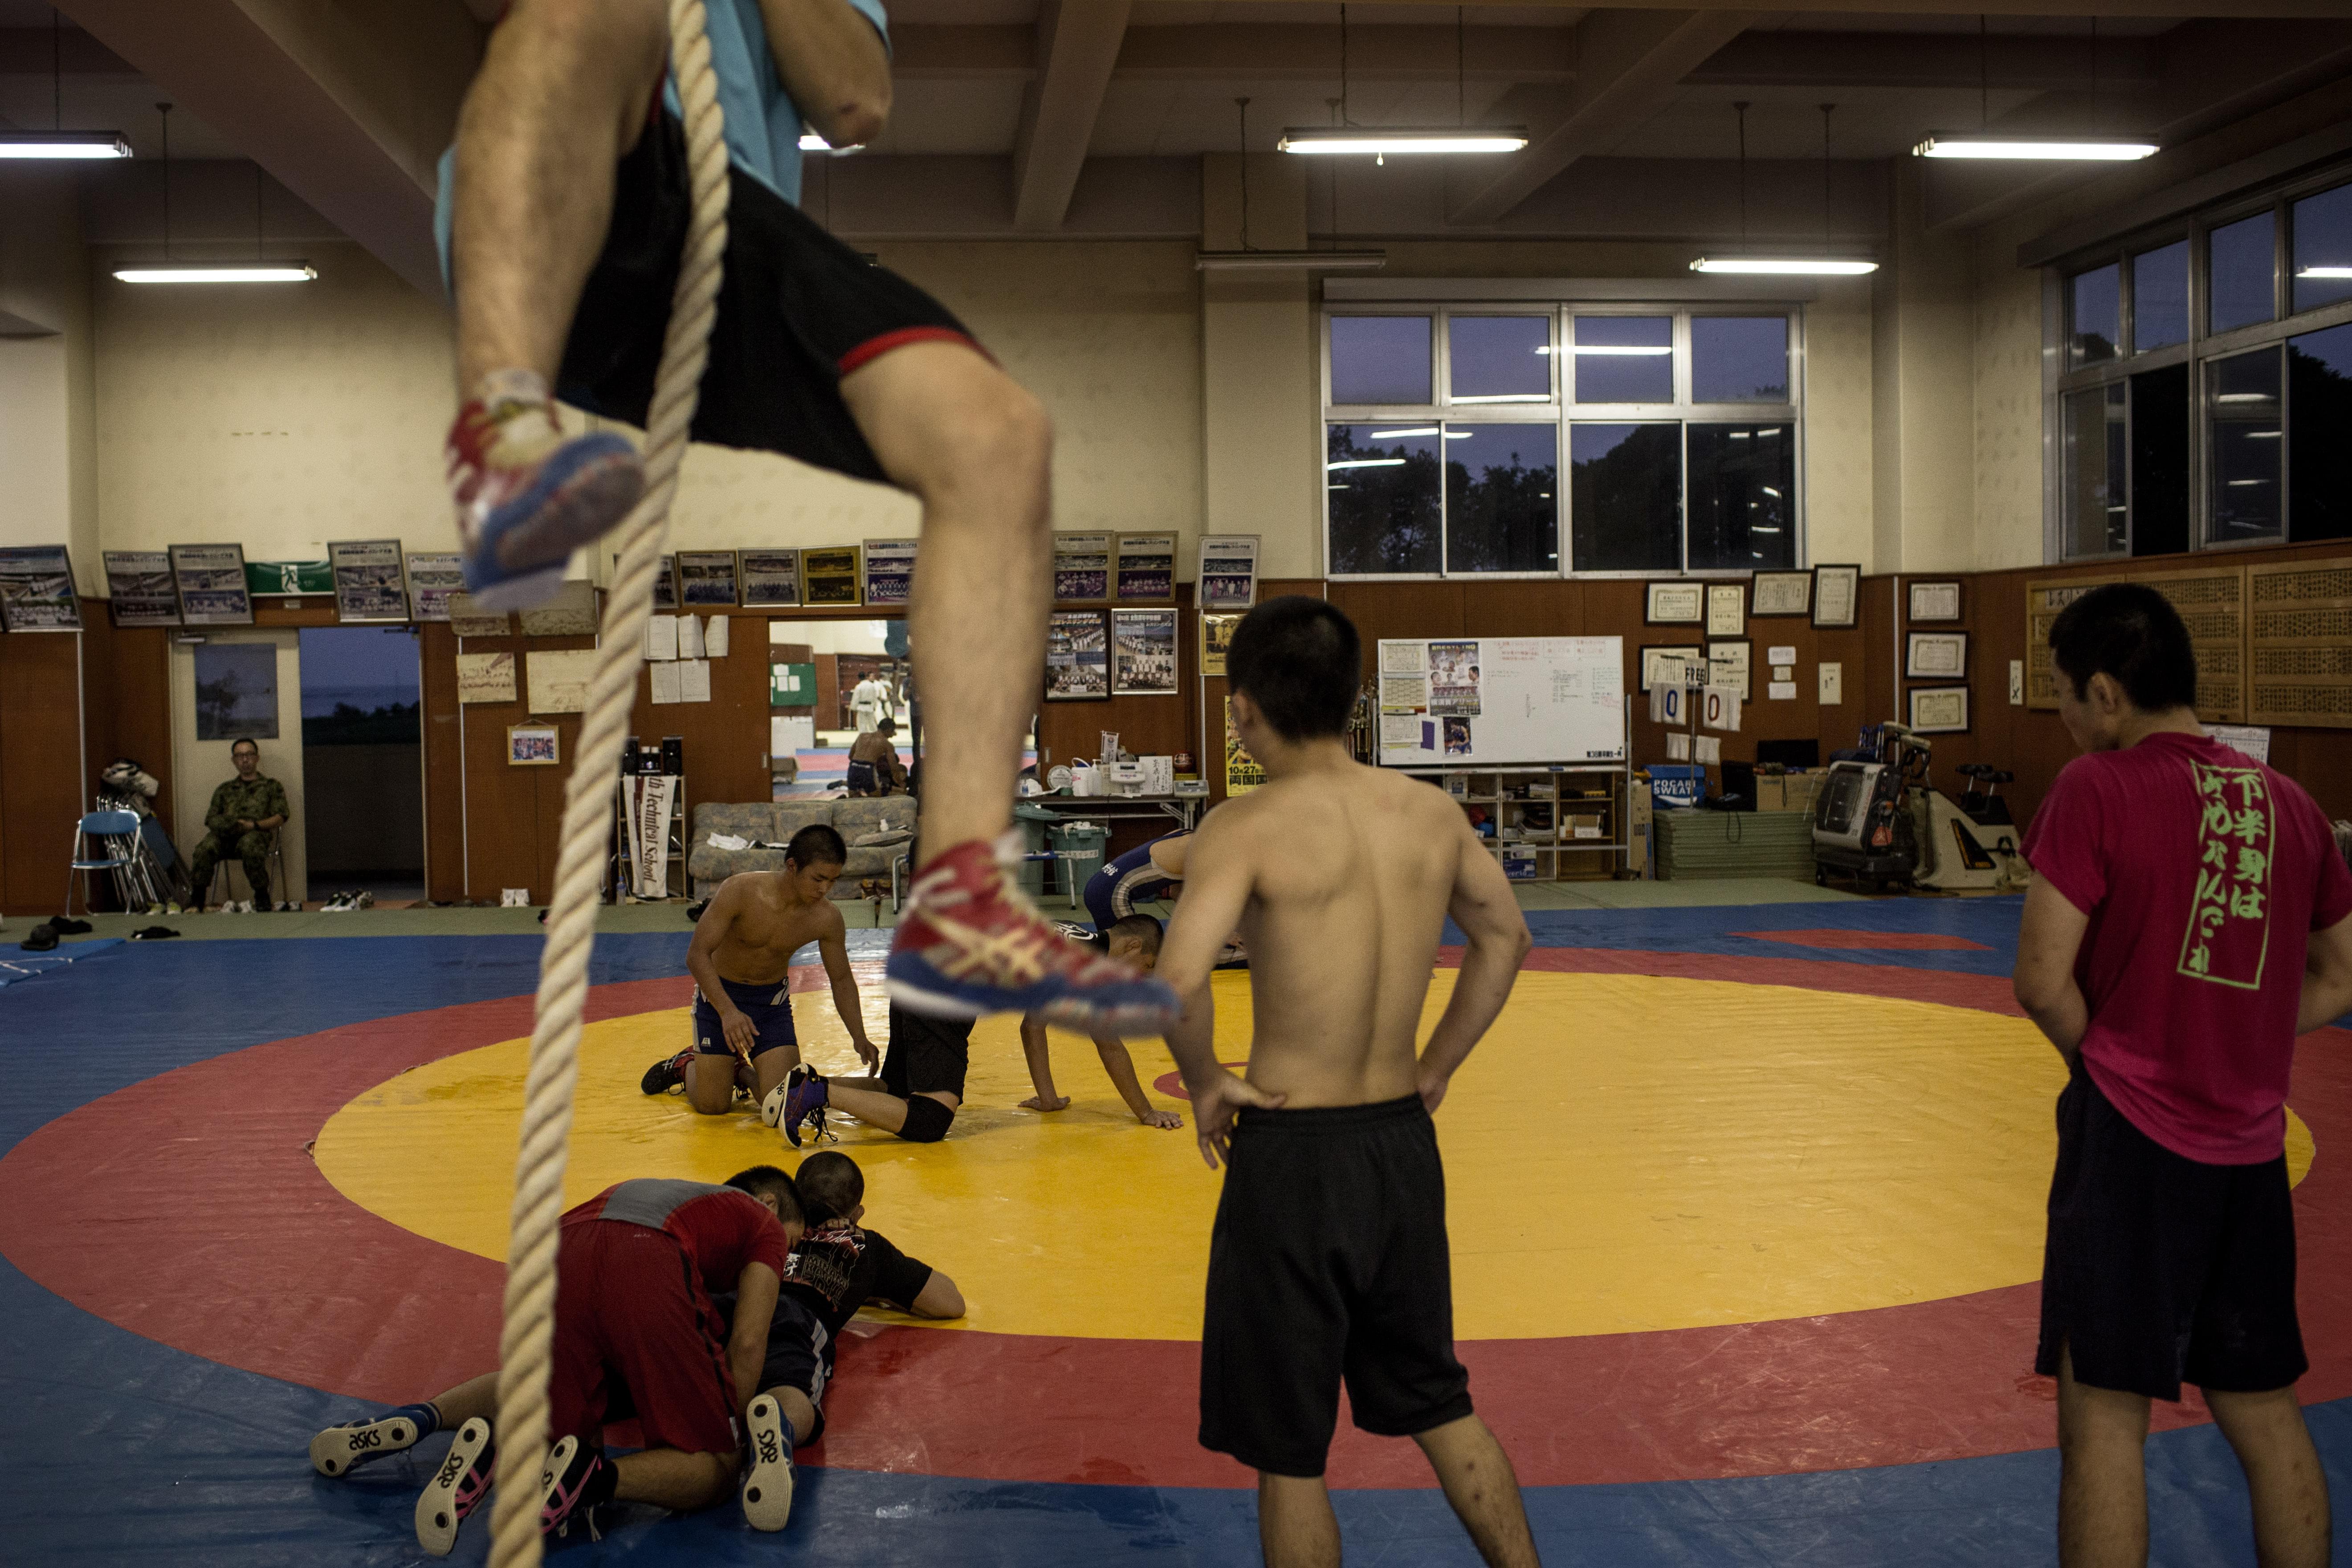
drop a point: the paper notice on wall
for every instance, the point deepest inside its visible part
(665, 679)
(661, 637)
(557, 679)
(1781, 654)
(1404, 694)
(1781, 690)
(694, 680)
(714, 636)
(1678, 746)
(486, 677)
(1403, 658)
(1710, 752)
(1400, 729)
(689, 636)
(2253, 740)
(1832, 685)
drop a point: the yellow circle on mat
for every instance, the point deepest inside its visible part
(1623, 1153)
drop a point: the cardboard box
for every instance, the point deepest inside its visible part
(1584, 827)
(1640, 810)
(1789, 792)
(1519, 865)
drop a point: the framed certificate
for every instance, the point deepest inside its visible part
(1837, 596)
(1939, 709)
(1774, 593)
(1936, 601)
(1727, 609)
(1672, 664)
(1674, 604)
(1935, 656)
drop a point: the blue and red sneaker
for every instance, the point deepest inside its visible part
(969, 944)
(799, 1098)
(528, 495)
(577, 1481)
(457, 1489)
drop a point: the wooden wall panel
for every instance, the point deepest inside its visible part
(41, 785)
(2301, 642)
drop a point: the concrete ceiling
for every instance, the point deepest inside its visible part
(1046, 112)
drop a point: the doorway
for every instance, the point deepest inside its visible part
(363, 759)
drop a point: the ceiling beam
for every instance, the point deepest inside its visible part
(1625, 60)
(1079, 40)
(347, 105)
(2039, 61)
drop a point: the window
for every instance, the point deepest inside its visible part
(2160, 296)
(2322, 228)
(2241, 273)
(1583, 439)
(2095, 308)
(2206, 380)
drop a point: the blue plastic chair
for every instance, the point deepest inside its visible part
(102, 826)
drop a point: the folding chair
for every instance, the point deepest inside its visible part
(222, 885)
(103, 826)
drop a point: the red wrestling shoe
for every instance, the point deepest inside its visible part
(970, 944)
(528, 495)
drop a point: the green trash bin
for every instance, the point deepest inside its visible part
(1035, 823)
(1080, 848)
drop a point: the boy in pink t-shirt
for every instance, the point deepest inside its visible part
(2186, 921)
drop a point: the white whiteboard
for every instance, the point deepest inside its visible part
(1455, 702)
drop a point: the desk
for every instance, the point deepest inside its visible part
(1179, 809)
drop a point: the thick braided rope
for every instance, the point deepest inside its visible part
(523, 1345)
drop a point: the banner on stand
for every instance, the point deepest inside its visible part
(647, 798)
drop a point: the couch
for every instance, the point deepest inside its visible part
(775, 821)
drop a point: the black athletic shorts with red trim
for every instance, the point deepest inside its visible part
(1328, 1263)
(797, 310)
(636, 1332)
(2160, 1269)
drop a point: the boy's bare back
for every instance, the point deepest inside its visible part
(1348, 875)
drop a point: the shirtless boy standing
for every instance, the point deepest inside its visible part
(741, 958)
(1329, 1258)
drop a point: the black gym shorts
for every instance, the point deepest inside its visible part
(926, 1056)
(2160, 1269)
(1328, 1261)
(797, 310)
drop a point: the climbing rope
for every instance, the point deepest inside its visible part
(529, 1326)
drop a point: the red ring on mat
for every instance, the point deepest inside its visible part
(215, 1234)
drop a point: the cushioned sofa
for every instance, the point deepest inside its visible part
(775, 821)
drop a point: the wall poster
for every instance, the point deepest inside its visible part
(1243, 773)
(1454, 679)
(1147, 566)
(1077, 655)
(368, 584)
(37, 590)
(1217, 638)
(211, 582)
(138, 583)
(1081, 568)
(432, 579)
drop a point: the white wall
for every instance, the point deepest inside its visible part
(46, 452)
(199, 767)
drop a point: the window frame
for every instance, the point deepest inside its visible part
(2203, 348)
(1564, 413)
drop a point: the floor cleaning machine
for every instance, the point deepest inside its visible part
(1881, 822)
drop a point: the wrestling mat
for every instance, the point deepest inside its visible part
(1744, 1203)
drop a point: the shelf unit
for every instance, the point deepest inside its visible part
(1547, 819)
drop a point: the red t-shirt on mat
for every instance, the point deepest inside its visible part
(2203, 874)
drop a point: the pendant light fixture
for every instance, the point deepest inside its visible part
(1250, 259)
(1826, 265)
(1980, 143)
(58, 143)
(170, 271)
(1349, 140)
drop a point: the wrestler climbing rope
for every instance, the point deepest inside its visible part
(564, 211)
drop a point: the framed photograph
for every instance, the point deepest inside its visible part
(889, 572)
(237, 691)
(1077, 655)
(664, 583)
(1670, 663)
(1081, 568)
(37, 590)
(1216, 637)
(1837, 596)
(1939, 709)
(368, 582)
(534, 746)
(1674, 604)
(432, 581)
(1146, 567)
(705, 577)
(834, 575)
(1935, 656)
(211, 583)
(1228, 570)
(139, 584)
(1727, 609)
(1780, 593)
(1730, 667)
(771, 578)
(1143, 653)
(1937, 601)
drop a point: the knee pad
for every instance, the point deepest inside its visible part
(927, 1119)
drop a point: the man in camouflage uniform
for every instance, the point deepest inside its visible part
(238, 822)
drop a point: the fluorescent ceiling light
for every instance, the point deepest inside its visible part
(63, 144)
(1342, 141)
(2247, 397)
(1365, 463)
(1770, 492)
(1289, 260)
(1619, 349)
(2240, 484)
(1817, 266)
(2325, 272)
(2262, 435)
(2092, 148)
(1395, 435)
(218, 272)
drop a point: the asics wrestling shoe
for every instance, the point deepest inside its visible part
(338, 1450)
(527, 494)
(801, 1098)
(576, 1480)
(969, 944)
(457, 1489)
(666, 1074)
(767, 1491)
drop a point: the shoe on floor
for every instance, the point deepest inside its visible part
(528, 495)
(67, 926)
(668, 1073)
(339, 1451)
(457, 1489)
(767, 1492)
(969, 944)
